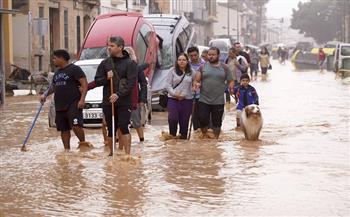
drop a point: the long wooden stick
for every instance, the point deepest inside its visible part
(113, 124)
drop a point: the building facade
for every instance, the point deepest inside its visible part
(6, 51)
(43, 26)
(241, 21)
(201, 13)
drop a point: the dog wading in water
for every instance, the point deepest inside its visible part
(251, 122)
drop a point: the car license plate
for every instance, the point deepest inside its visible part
(93, 115)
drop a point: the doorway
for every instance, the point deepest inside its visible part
(54, 22)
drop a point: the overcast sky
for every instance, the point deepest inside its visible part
(281, 8)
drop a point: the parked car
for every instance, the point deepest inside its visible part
(342, 59)
(175, 34)
(137, 32)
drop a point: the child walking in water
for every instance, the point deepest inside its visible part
(246, 95)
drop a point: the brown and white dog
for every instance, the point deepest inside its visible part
(251, 122)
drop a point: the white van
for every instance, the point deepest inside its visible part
(342, 59)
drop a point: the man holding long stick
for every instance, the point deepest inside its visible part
(69, 100)
(123, 71)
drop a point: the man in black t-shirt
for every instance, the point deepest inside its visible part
(69, 100)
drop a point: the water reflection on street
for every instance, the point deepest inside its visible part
(301, 166)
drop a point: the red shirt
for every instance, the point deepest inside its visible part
(321, 55)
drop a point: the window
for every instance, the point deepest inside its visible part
(42, 38)
(78, 33)
(90, 71)
(142, 42)
(145, 31)
(183, 40)
(179, 48)
(165, 54)
(189, 30)
(141, 48)
(345, 50)
(94, 53)
(65, 23)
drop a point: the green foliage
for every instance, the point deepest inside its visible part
(318, 19)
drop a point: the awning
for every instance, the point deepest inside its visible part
(8, 11)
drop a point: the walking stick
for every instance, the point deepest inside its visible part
(23, 148)
(191, 120)
(113, 124)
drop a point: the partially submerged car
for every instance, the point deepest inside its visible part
(175, 34)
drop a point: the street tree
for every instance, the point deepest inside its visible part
(318, 19)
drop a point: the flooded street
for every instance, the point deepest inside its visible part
(301, 166)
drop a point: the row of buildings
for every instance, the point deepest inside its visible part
(32, 29)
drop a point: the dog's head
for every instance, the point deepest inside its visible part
(252, 110)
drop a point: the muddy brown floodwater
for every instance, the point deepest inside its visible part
(301, 166)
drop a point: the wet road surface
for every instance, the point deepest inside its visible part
(300, 167)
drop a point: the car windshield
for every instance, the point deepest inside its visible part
(164, 27)
(345, 50)
(219, 44)
(94, 53)
(90, 71)
(167, 50)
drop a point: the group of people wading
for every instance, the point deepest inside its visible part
(196, 88)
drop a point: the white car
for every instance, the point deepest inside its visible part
(92, 113)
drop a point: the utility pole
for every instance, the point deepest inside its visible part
(228, 19)
(259, 21)
(237, 24)
(30, 50)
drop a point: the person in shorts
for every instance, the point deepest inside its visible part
(70, 86)
(141, 95)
